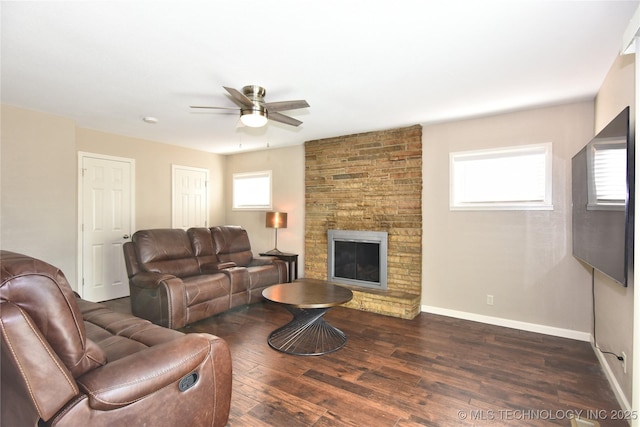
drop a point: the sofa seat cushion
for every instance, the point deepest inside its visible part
(119, 334)
(114, 346)
(263, 275)
(206, 287)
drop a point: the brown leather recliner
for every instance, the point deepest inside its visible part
(166, 282)
(70, 362)
(178, 277)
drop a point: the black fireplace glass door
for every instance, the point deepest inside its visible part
(357, 260)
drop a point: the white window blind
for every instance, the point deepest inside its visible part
(607, 175)
(252, 191)
(501, 179)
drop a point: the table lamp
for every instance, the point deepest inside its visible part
(276, 220)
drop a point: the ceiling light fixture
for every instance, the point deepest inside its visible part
(254, 117)
(150, 120)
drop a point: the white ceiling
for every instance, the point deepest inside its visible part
(361, 65)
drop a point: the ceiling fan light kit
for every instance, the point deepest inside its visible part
(254, 112)
(254, 117)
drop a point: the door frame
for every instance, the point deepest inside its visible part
(80, 203)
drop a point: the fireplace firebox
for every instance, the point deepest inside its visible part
(357, 258)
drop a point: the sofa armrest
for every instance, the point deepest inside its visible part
(159, 298)
(141, 374)
(262, 260)
(215, 267)
(149, 280)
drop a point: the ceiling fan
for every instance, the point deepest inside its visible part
(254, 112)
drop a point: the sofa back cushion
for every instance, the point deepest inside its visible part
(232, 244)
(42, 293)
(202, 243)
(166, 250)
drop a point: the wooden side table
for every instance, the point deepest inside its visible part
(291, 259)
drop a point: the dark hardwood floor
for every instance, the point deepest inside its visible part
(430, 371)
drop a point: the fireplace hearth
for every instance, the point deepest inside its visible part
(357, 258)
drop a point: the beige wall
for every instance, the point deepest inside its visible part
(287, 166)
(153, 174)
(522, 258)
(39, 156)
(614, 304)
(38, 187)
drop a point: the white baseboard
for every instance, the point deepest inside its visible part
(615, 385)
(507, 323)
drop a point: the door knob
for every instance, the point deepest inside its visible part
(126, 236)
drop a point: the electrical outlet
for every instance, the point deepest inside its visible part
(489, 299)
(624, 362)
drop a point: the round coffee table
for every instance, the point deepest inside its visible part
(308, 334)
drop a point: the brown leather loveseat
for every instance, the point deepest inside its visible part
(178, 277)
(70, 362)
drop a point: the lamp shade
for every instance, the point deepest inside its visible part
(276, 220)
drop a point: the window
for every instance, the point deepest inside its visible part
(607, 175)
(252, 191)
(512, 178)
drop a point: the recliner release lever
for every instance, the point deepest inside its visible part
(188, 381)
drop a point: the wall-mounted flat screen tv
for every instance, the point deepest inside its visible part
(603, 200)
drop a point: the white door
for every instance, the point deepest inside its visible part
(106, 192)
(190, 204)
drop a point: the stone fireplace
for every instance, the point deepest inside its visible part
(369, 182)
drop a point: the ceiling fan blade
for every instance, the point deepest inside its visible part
(285, 105)
(215, 108)
(239, 97)
(277, 117)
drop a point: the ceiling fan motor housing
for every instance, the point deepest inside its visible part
(255, 93)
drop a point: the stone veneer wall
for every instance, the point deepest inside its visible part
(370, 182)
